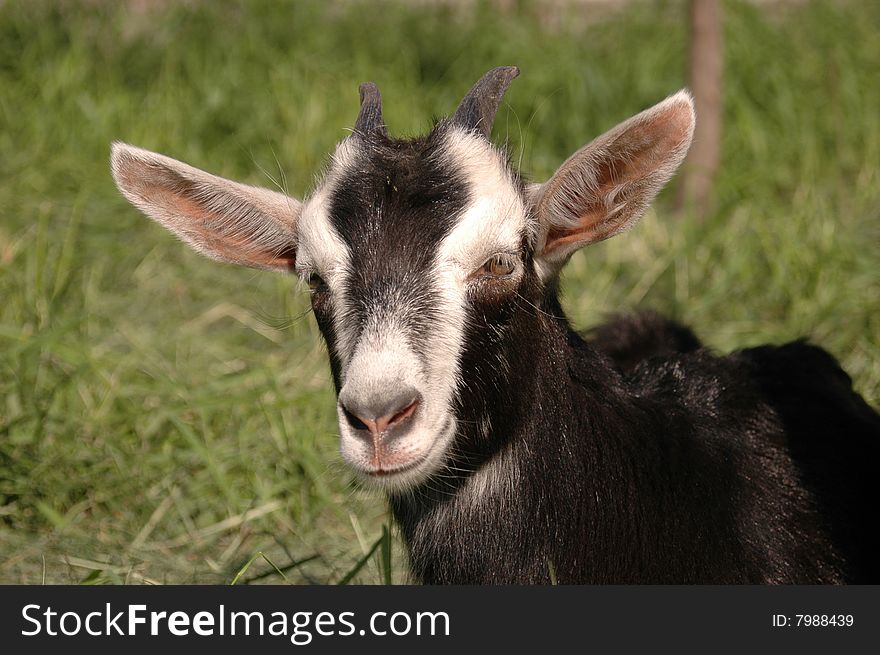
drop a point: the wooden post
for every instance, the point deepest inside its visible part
(706, 74)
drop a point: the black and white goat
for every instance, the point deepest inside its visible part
(511, 449)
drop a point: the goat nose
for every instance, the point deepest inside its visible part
(380, 414)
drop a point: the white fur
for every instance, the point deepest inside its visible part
(322, 250)
(495, 220)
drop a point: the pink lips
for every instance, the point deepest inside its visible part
(392, 467)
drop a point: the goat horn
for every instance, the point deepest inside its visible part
(478, 108)
(369, 119)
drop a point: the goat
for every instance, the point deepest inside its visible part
(512, 450)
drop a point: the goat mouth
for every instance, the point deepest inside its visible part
(384, 471)
(403, 470)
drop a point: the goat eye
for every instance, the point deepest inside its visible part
(316, 282)
(499, 265)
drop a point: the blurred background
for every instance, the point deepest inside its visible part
(164, 418)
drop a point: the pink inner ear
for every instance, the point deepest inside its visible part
(584, 232)
(199, 224)
(624, 169)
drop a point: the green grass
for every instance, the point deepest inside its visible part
(165, 418)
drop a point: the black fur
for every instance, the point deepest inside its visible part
(691, 468)
(630, 339)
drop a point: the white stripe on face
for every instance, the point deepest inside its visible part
(322, 250)
(493, 222)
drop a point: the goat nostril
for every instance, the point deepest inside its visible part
(394, 418)
(353, 420)
(404, 414)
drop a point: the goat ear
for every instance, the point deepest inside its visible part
(606, 186)
(219, 218)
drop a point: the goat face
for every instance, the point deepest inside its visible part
(404, 245)
(425, 259)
